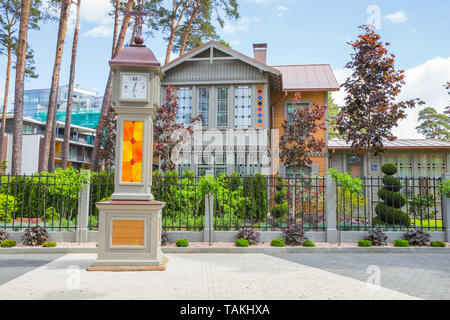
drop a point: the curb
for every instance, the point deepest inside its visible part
(248, 250)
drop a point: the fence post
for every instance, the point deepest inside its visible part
(208, 231)
(83, 215)
(446, 210)
(330, 204)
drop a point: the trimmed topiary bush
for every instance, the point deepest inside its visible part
(364, 243)
(389, 211)
(248, 233)
(308, 243)
(35, 236)
(417, 237)
(242, 243)
(277, 243)
(438, 244)
(281, 207)
(50, 244)
(182, 243)
(8, 243)
(401, 243)
(389, 168)
(377, 237)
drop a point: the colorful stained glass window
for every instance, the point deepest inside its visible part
(133, 133)
(242, 107)
(184, 105)
(259, 107)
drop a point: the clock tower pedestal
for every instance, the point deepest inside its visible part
(130, 223)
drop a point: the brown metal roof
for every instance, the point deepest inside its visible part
(135, 56)
(308, 77)
(398, 144)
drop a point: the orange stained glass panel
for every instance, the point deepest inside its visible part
(133, 133)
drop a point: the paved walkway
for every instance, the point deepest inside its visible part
(192, 276)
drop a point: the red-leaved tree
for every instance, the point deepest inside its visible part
(371, 109)
(298, 140)
(168, 133)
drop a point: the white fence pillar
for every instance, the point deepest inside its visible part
(208, 231)
(83, 214)
(331, 209)
(446, 210)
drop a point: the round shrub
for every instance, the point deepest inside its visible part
(248, 233)
(438, 244)
(389, 168)
(50, 244)
(182, 243)
(242, 243)
(392, 215)
(277, 243)
(393, 199)
(3, 235)
(364, 243)
(401, 243)
(417, 237)
(8, 243)
(377, 237)
(35, 236)
(164, 237)
(308, 243)
(391, 183)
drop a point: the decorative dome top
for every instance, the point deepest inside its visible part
(135, 56)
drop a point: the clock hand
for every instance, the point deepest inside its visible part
(134, 88)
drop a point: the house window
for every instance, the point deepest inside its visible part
(184, 105)
(290, 107)
(222, 107)
(203, 105)
(242, 107)
(431, 165)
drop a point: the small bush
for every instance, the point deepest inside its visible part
(50, 244)
(401, 243)
(391, 183)
(277, 242)
(377, 237)
(35, 236)
(164, 237)
(417, 237)
(248, 233)
(3, 235)
(8, 243)
(389, 168)
(364, 243)
(393, 199)
(308, 243)
(182, 243)
(294, 234)
(438, 244)
(242, 243)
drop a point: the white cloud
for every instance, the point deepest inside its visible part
(100, 31)
(282, 11)
(96, 11)
(397, 17)
(424, 81)
(241, 25)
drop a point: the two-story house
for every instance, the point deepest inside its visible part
(243, 103)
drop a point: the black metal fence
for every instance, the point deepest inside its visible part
(411, 203)
(29, 200)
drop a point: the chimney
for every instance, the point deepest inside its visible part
(259, 52)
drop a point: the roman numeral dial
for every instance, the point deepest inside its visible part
(134, 87)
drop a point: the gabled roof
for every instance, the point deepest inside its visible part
(285, 78)
(317, 77)
(398, 144)
(221, 47)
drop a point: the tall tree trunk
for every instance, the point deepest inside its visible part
(65, 148)
(133, 34)
(188, 27)
(116, 27)
(5, 99)
(169, 47)
(16, 167)
(174, 27)
(47, 156)
(106, 103)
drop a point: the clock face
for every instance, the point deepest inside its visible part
(134, 87)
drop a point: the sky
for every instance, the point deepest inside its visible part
(296, 32)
